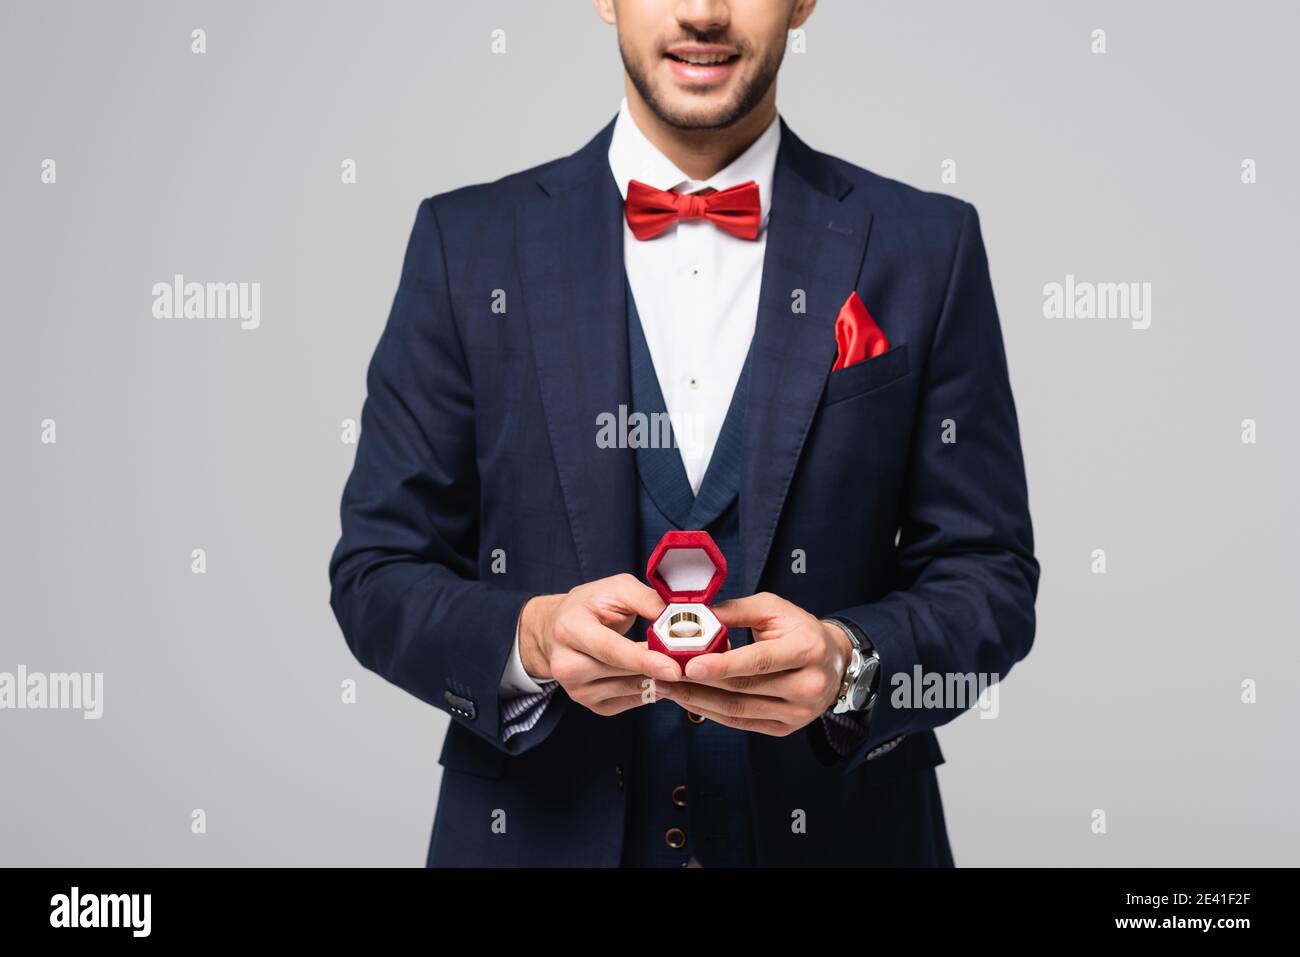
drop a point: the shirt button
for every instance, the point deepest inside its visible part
(693, 382)
(675, 838)
(618, 771)
(679, 795)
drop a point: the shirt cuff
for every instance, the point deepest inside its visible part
(516, 682)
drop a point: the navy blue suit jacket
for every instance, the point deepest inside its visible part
(479, 435)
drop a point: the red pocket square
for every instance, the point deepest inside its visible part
(857, 334)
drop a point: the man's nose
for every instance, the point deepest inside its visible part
(704, 16)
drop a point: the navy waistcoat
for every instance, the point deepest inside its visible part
(688, 776)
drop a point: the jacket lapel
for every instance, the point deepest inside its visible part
(570, 256)
(721, 481)
(817, 235)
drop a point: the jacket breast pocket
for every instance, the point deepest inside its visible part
(866, 376)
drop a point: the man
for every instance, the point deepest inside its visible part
(696, 259)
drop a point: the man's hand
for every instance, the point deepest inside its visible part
(784, 680)
(579, 640)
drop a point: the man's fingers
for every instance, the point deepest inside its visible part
(781, 684)
(613, 706)
(701, 698)
(614, 649)
(572, 668)
(752, 612)
(629, 594)
(758, 658)
(617, 687)
(758, 725)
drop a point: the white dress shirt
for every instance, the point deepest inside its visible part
(696, 289)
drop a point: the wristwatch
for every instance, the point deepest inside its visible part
(858, 690)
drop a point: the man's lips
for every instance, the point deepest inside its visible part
(701, 64)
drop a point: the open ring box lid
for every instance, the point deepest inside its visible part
(687, 569)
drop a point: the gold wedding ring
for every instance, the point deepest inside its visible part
(685, 624)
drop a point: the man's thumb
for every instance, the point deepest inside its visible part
(751, 612)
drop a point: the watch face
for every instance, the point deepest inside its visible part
(860, 693)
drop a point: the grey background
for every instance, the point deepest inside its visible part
(223, 691)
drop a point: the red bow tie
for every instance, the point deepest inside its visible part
(650, 211)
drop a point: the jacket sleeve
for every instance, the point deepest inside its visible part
(968, 579)
(404, 577)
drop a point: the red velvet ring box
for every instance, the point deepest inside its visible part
(687, 569)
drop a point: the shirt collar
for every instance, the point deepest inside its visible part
(632, 156)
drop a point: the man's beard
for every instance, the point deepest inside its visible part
(749, 95)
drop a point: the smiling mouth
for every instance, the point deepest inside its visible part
(703, 59)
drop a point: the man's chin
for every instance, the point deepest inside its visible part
(688, 111)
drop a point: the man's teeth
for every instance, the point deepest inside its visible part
(703, 59)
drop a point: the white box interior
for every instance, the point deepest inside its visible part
(709, 624)
(686, 570)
